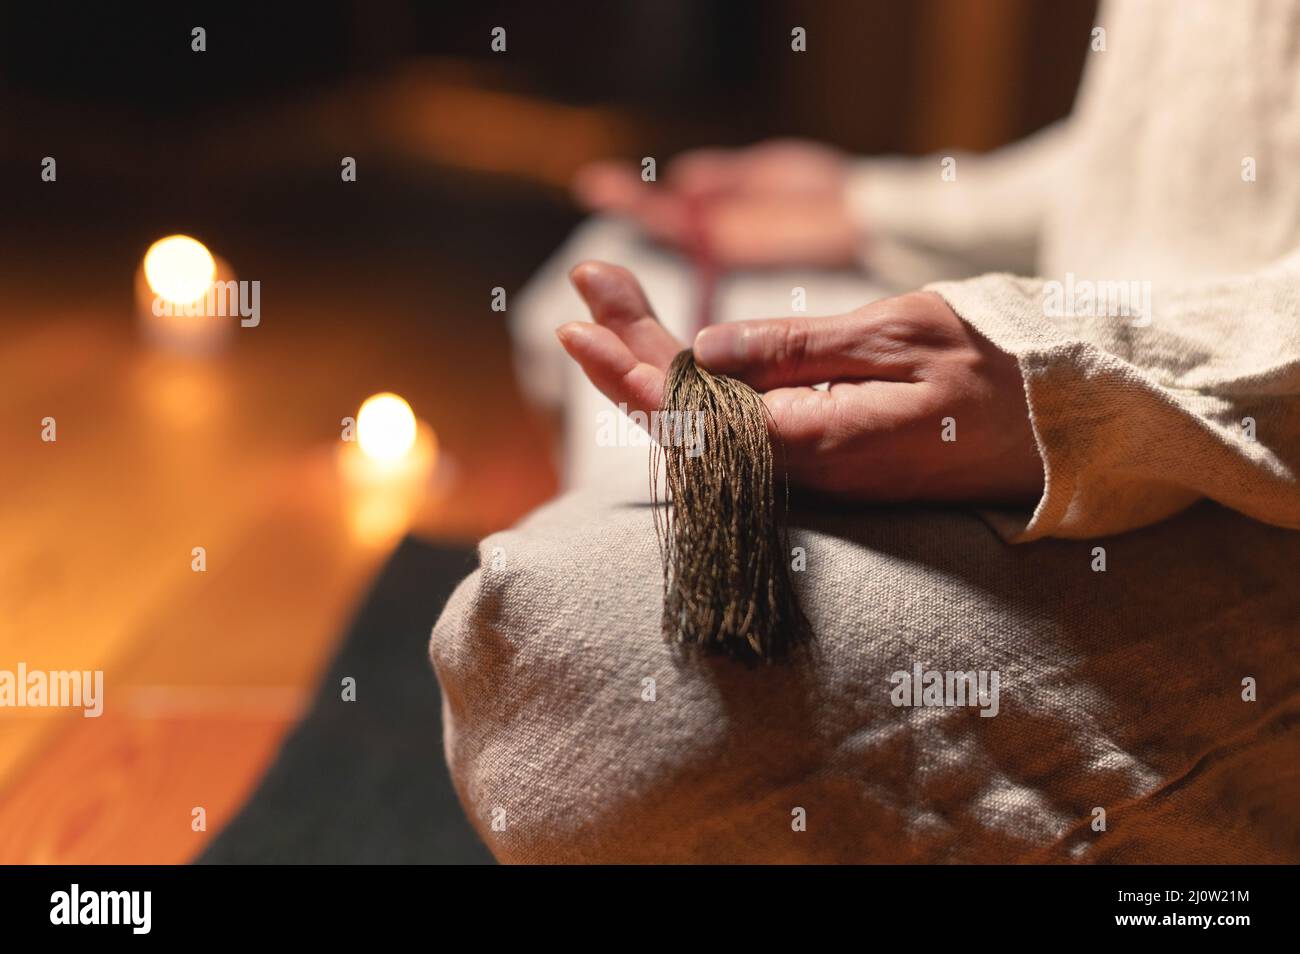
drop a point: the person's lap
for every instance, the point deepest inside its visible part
(1118, 689)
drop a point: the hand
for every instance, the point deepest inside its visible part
(898, 367)
(777, 203)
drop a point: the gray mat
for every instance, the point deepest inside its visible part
(365, 781)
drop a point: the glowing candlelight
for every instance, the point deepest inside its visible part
(386, 427)
(173, 287)
(387, 467)
(179, 268)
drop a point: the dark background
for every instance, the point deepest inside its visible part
(237, 142)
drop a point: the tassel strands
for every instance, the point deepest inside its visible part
(722, 533)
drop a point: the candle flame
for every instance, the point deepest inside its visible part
(385, 427)
(179, 269)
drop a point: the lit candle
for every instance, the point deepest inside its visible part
(176, 297)
(386, 467)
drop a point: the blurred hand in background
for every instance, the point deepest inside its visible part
(776, 203)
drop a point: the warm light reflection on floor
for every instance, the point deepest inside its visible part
(177, 391)
(381, 497)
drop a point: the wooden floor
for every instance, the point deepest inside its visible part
(204, 672)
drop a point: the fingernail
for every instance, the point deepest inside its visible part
(568, 332)
(583, 274)
(714, 347)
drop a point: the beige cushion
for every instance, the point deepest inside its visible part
(1119, 690)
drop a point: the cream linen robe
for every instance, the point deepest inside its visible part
(1178, 173)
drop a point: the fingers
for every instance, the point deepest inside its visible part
(616, 187)
(612, 367)
(851, 440)
(704, 173)
(815, 419)
(618, 303)
(784, 352)
(626, 352)
(769, 231)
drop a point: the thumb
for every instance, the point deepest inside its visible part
(789, 352)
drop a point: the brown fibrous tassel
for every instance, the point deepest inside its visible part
(721, 523)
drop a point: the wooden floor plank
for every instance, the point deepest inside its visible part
(121, 789)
